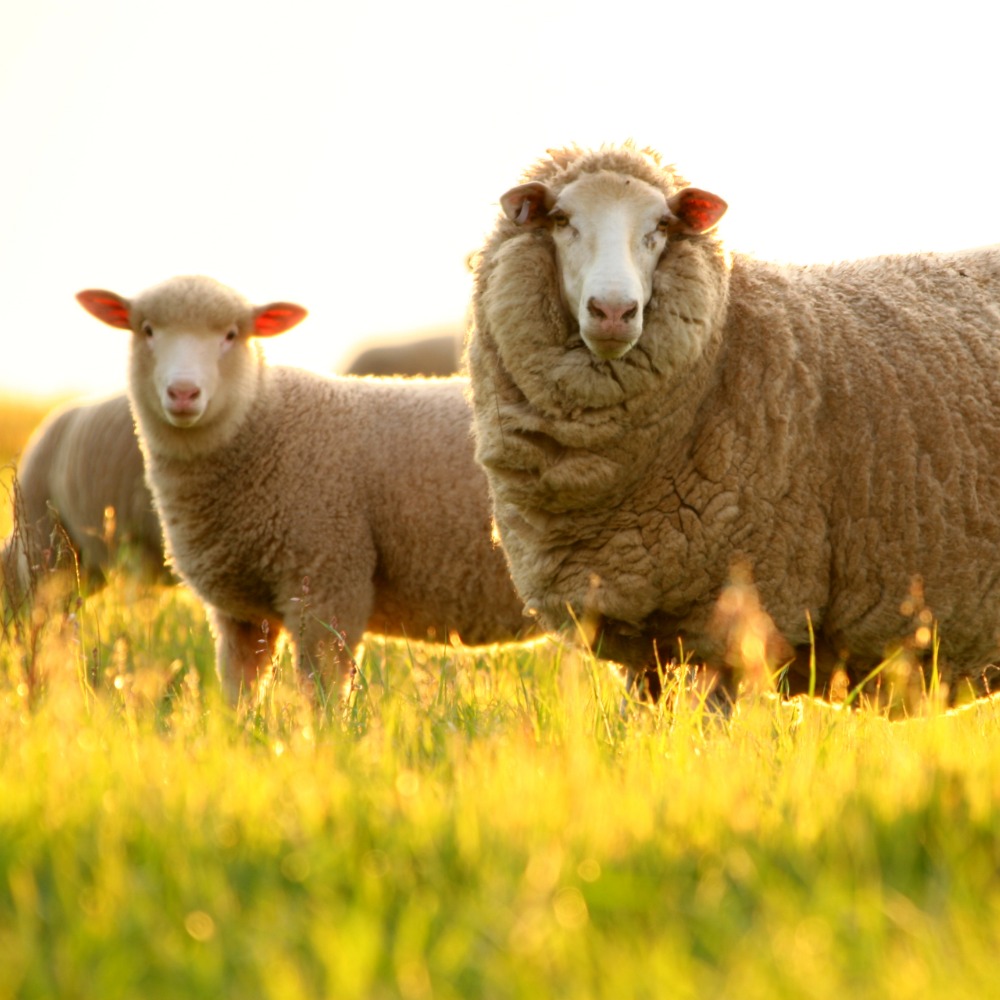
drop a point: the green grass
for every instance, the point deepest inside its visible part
(476, 824)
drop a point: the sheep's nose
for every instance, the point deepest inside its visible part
(612, 313)
(183, 393)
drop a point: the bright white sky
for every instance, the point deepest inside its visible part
(349, 158)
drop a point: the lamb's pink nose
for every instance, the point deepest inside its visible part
(612, 315)
(183, 394)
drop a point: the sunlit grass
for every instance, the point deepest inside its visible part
(476, 823)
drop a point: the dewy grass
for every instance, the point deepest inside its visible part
(477, 823)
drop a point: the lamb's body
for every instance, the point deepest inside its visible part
(356, 498)
(306, 502)
(82, 460)
(836, 427)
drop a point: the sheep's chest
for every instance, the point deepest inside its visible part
(221, 540)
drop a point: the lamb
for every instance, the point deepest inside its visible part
(439, 355)
(660, 422)
(297, 504)
(82, 469)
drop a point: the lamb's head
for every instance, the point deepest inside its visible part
(609, 231)
(191, 342)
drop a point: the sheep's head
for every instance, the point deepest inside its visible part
(609, 231)
(186, 332)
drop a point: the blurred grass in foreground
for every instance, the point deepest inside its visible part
(478, 824)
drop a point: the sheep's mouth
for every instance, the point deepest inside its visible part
(610, 348)
(183, 416)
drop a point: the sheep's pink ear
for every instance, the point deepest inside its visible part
(527, 204)
(696, 211)
(276, 318)
(106, 306)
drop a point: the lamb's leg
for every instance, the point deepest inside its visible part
(244, 654)
(326, 624)
(325, 649)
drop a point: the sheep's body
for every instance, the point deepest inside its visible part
(82, 460)
(358, 498)
(302, 501)
(427, 356)
(837, 428)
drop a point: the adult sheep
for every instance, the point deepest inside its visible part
(654, 417)
(428, 356)
(81, 471)
(293, 502)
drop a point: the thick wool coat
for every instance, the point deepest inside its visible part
(833, 430)
(82, 470)
(317, 506)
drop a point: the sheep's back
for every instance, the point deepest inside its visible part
(439, 569)
(84, 461)
(902, 359)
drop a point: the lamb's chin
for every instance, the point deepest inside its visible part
(182, 418)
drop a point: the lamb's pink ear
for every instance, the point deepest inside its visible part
(527, 204)
(696, 211)
(106, 306)
(276, 318)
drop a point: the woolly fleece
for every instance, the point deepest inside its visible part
(427, 356)
(82, 459)
(299, 501)
(836, 429)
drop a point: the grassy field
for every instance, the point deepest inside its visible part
(476, 824)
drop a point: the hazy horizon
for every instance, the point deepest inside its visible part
(350, 159)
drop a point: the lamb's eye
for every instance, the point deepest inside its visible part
(147, 330)
(559, 219)
(231, 335)
(663, 226)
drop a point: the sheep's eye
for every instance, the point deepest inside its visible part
(559, 219)
(231, 335)
(147, 330)
(663, 225)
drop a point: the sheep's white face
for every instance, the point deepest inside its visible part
(183, 368)
(610, 231)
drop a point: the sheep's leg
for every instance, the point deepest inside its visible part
(325, 629)
(326, 655)
(244, 654)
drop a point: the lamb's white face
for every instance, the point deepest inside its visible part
(192, 354)
(183, 368)
(609, 233)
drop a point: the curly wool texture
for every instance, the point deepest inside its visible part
(82, 460)
(356, 498)
(298, 502)
(836, 428)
